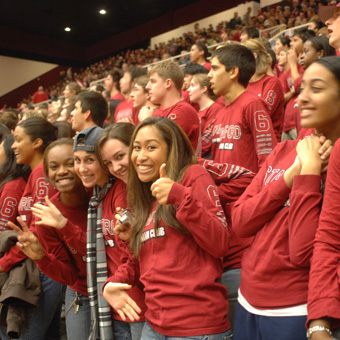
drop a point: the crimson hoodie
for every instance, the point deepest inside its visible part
(180, 271)
(117, 252)
(283, 222)
(37, 188)
(186, 117)
(65, 249)
(10, 196)
(269, 89)
(324, 292)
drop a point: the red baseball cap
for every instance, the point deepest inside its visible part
(326, 12)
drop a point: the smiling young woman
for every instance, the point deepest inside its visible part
(281, 208)
(59, 247)
(175, 205)
(31, 138)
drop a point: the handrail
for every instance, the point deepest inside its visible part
(274, 28)
(290, 32)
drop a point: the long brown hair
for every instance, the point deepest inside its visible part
(180, 155)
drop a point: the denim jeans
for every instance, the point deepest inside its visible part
(38, 319)
(150, 334)
(231, 279)
(136, 330)
(77, 325)
(250, 326)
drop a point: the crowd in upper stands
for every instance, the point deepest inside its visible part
(289, 13)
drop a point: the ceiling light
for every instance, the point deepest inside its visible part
(102, 11)
(67, 29)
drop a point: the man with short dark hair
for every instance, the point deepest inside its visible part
(91, 109)
(249, 33)
(242, 136)
(199, 54)
(112, 86)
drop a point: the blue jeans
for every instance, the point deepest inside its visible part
(231, 279)
(38, 319)
(127, 330)
(136, 330)
(249, 326)
(150, 334)
(77, 325)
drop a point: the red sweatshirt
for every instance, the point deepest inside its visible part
(117, 252)
(65, 258)
(10, 196)
(243, 133)
(118, 96)
(292, 113)
(283, 221)
(180, 271)
(124, 110)
(324, 292)
(186, 117)
(231, 181)
(208, 117)
(270, 90)
(35, 191)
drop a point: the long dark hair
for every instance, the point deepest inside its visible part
(9, 169)
(180, 155)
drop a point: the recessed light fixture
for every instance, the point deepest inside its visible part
(67, 29)
(102, 11)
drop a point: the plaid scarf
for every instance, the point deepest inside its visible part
(101, 320)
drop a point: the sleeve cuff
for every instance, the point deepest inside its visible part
(44, 262)
(68, 229)
(307, 183)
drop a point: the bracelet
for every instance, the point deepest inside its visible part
(311, 330)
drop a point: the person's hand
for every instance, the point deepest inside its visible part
(308, 153)
(145, 112)
(28, 243)
(123, 231)
(116, 295)
(325, 152)
(161, 188)
(292, 171)
(49, 215)
(321, 336)
(292, 57)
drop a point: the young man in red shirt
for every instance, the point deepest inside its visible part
(164, 86)
(242, 135)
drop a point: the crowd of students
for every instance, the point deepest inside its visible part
(290, 13)
(195, 204)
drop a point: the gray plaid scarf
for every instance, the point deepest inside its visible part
(101, 320)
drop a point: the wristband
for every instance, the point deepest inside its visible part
(313, 329)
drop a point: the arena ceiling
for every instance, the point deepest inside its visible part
(36, 29)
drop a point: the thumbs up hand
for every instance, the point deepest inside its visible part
(161, 188)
